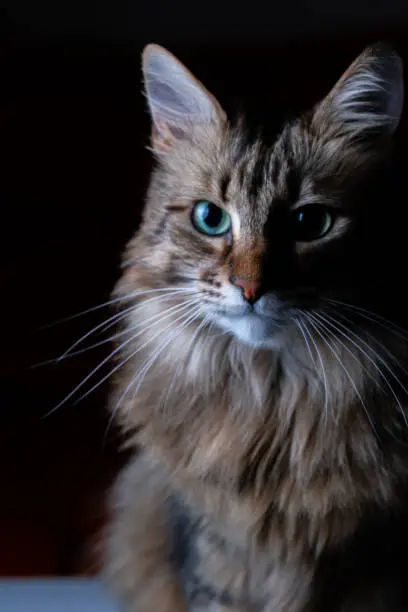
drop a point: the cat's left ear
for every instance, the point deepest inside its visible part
(368, 99)
(178, 102)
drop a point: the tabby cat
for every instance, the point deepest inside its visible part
(260, 379)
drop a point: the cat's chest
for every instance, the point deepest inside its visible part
(257, 435)
(216, 570)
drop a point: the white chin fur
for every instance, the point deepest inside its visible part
(252, 329)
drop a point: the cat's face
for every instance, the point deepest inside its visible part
(261, 232)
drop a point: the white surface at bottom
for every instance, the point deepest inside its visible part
(66, 595)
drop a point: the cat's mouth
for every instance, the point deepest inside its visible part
(269, 307)
(252, 328)
(261, 323)
(253, 324)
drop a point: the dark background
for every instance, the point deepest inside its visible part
(73, 169)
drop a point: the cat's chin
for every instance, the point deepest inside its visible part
(252, 329)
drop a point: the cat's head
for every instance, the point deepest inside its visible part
(262, 231)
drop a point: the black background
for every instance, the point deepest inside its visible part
(73, 128)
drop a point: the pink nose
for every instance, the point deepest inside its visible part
(250, 288)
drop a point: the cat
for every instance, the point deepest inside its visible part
(260, 375)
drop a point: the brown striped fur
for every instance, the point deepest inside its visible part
(264, 470)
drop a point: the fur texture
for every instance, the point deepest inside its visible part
(270, 433)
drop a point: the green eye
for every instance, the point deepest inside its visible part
(311, 222)
(210, 219)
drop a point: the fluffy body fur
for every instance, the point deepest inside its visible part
(270, 434)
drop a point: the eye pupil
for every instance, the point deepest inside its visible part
(212, 215)
(311, 222)
(210, 219)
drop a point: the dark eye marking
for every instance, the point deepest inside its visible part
(224, 184)
(176, 208)
(258, 174)
(293, 183)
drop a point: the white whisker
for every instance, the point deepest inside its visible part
(161, 331)
(141, 375)
(112, 338)
(370, 359)
(323, 371)
(111, 321)
(300, 327)
(116, 300)
(318, 327)
(372, 337)
(190, 344)
(318, 317)
(166, 314)
(376, 354)
(374, 317)
(79, 352)
(134, 379)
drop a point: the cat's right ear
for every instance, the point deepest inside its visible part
(178, 102)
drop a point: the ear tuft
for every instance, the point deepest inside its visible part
(368, 99)
(178, 102)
